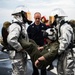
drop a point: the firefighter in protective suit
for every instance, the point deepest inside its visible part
(65, 34)
(65, 31)
(17, 31)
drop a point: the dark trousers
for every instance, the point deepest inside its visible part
(36, 72)
(43, 72)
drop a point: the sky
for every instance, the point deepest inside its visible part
(43, 6)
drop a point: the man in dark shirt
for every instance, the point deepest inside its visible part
(35, 33)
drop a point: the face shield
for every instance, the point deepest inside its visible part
(51, 19)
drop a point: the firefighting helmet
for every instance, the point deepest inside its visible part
(57, 15)
(58, 12)
(21, 14)
(19, 9)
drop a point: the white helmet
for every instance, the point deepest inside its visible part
(19, 9)
(58, 15)
(21, 14)
(58, 12)
(51, 34)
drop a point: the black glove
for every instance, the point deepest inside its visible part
(60, 51)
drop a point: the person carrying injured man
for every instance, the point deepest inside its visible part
(44, 56)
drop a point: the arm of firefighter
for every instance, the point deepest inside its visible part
(66, 36)
(14, 32)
